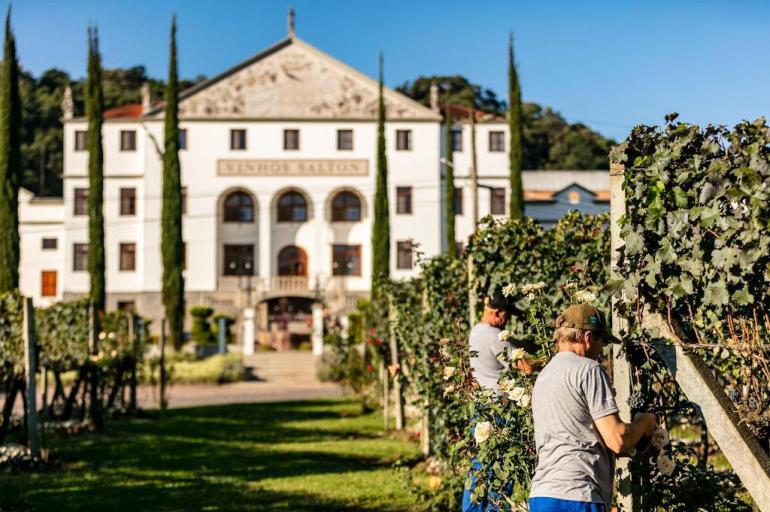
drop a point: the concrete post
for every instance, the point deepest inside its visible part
(248, 331)
(398, 394)
(222, 333)
(30, 371)
(317, 338)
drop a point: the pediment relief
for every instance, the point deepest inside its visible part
(297, 82)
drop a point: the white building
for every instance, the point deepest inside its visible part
(278, 170)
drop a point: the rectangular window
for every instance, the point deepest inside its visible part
(48, 283)
(496, 141)
(79, 257)
(128, 140)
(458, 201)
(291, 140)
(346, 260)
(404, 255)
(50, 244)
(497, 201)
(127, 256)
(403, 200)
(129, 306)
(239, 260)
(81, 201)
(182, 138)
(184, 200)
(128, 201)
(81, 140)
(457, 139)
(237, 139)
(344, 140)
(404, 140)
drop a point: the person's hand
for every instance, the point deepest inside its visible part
(647, 420)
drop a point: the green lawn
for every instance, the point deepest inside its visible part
(317, 455)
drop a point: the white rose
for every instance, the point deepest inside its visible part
(516, 393)
(111, 335)
(518, 353)
(659, 438)
(102, 335)
(525, 400)
(449, 390)
(504, 335)
(506, 385)
(509, 289)
(584, 296)
(449, 372)
(482, 431)
(665, 465)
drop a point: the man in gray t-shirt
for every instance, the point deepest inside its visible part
(577, 428)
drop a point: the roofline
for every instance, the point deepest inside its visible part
(256, 120)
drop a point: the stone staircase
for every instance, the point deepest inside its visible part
(295, 368)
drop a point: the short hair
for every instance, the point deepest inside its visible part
(568, 334)
(499, 301)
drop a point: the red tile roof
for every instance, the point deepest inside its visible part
(131, 111)
(463, 113)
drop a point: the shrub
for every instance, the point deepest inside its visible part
(201, 328)
(217, 369)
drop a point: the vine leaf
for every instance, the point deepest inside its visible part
(716, 293)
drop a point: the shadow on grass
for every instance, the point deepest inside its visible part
(214, 458)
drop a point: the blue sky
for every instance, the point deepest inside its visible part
(609, 64)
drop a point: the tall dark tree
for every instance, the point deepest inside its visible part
(381, 224)
(10, 162)
(515, 152)
(94, 113)
(172, 246)
(449, 188)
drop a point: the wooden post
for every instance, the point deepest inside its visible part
(95, 398)
(425, 434)
(162, 377)
(621, 369)
(385, 396)
(30, 373)
(133, 339)
(475, 199)
(471, 293)
(398, 395)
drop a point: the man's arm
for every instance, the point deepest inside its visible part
(620, 437)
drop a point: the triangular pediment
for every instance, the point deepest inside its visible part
(294, 80)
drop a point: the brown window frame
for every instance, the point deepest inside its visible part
(286, 139)
(292, 261)
(404, 201)
(404, 140)
(457, 139)
(346, 250)
(79, 257)
(232, 212)
(81, 140)
(127, 201)
(342, 206)
(80, 201)
(127, 257)
(497, 201)
(182, 139)
(47, 241)
(405, 250)
(494, 148)
(247, 256)
(345, 131)
(45, 287)
(128, 140)
(233, 139)
(292, 207)
(458, 203)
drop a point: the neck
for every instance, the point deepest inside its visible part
(489, 319)
(575, 348)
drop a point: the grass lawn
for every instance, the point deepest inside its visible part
(315, 455)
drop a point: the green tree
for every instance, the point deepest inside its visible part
(455, 89)
(449, 188)
(381, 224)
(94, 113)
(515, 162)
(10, 162)
(172, 247)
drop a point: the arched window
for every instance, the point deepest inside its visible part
(292, 207)
(346, 207)
(239, 208)
(292, 261)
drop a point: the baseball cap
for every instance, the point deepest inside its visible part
(587, 318)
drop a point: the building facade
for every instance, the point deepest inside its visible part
(278, 171)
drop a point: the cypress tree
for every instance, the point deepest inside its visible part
(172, 246)
(381, 225)
(449, 186)
(515, 152)
(94, 112)
(10, 163)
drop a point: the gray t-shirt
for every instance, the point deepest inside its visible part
(573, 461)
(486, 368)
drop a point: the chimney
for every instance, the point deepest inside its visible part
(146, 98)
(434, 97)
(67, 105)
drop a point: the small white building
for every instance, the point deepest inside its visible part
(278, 170)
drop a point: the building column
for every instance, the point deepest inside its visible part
(248, 331)
(317, 338)
(264, 243)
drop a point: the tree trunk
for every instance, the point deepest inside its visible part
(12, 387)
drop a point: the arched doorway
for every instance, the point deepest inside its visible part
(292, 261)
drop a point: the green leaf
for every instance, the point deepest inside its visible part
(716, 293)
